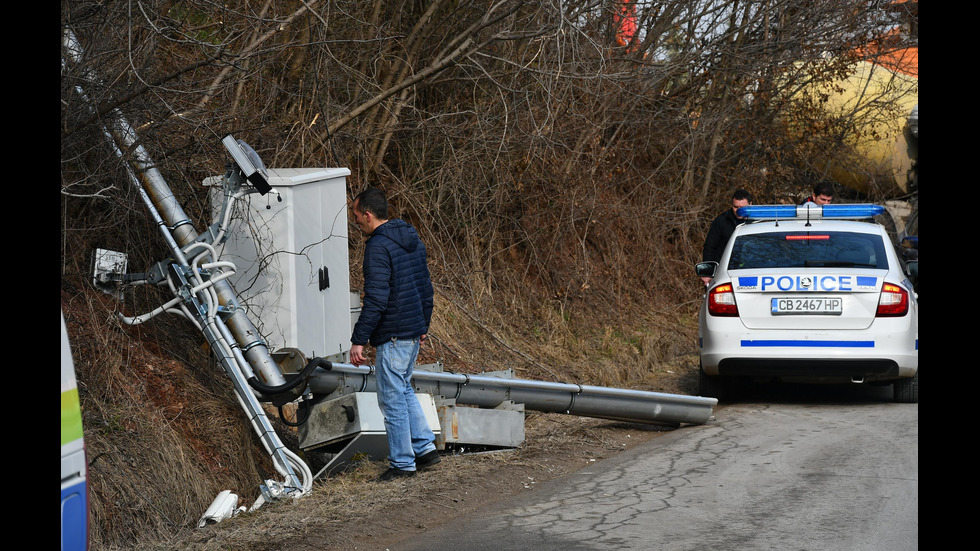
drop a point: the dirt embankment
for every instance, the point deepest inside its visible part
(350, 511)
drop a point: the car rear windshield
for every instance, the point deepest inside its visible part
(808, 250)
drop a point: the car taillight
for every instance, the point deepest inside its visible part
(894, 301)
(721, 301)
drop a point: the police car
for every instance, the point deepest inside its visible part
(812, 294)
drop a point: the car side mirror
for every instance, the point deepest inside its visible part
(706, 269)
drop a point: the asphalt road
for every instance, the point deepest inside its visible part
(788, 469)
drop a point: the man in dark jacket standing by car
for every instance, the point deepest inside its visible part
(722, 228)
(394, 319)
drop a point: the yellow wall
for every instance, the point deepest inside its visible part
(881, 99)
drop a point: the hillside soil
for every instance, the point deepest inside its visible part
(351, 511)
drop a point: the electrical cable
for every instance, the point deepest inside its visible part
(294, 382)
(299, 419)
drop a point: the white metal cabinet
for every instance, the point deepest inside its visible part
(292, 261)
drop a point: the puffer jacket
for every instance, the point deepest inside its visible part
(397, 287)
(719, 233)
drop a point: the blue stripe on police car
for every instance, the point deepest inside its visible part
(807, 343)
(807, 283)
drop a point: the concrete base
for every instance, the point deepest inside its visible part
(351, 427)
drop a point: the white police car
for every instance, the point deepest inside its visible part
(810, 293)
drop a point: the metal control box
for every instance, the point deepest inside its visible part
(352, 427)
(292, 262)
(502, 426)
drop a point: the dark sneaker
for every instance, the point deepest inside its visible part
(427, 459)
(392, 474)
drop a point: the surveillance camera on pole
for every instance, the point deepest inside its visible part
(248, 163)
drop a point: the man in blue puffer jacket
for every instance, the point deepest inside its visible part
(394, 319)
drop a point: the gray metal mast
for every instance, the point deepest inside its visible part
(232, 336)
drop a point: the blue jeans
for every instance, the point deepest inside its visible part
(408, 429)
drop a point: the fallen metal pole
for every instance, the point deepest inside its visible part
(490, 391)
(232, 336)
(182, 230)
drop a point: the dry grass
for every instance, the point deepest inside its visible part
(562, 223)
(165, 434)
(352, 511)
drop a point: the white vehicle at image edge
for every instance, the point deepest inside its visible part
(810, 294)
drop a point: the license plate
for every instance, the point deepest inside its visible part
(831, 306)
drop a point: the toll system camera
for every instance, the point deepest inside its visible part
(248, 163)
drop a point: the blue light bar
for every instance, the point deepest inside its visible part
(852, 211)
(767, 212)
(809, 211)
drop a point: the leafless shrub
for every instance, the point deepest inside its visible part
(561, 173)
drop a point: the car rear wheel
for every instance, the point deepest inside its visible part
(907, 390)
(711, 386)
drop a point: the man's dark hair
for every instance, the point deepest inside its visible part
(823, 188)
(742, 194)
(373, 200)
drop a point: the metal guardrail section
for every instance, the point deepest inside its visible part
(492, 390)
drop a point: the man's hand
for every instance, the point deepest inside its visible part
(357, 354)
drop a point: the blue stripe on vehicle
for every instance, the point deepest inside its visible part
(748, 281)
(866, 281)
(810, 344)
